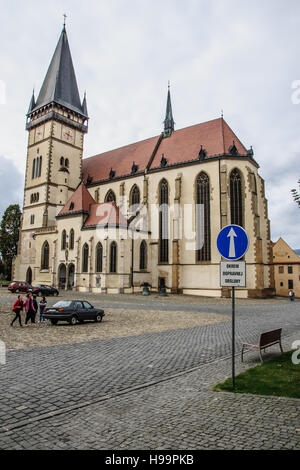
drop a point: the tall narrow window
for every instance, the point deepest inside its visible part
(40, 166)
(85, 258)
(71, 244)
(99, 253)
(110, 196)
(64, 240)
(37, 167)
(45, 256)
(113, 258)
(203, 249)
(236, 198)
(33, 168)
(163, 222)
(135, 196)
(143, 255)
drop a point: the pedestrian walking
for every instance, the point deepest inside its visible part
(17, 308)
(35, 309)
(291, 295)
(42, 305)
(29, 308)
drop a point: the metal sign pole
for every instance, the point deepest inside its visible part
(233, 338)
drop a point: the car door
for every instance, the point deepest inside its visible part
(80, 310)
(90, 311)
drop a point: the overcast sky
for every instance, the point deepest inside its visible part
(239, 56)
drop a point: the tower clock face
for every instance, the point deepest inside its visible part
(68, 134)
(39, 133)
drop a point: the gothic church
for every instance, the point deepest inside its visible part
(147, 212)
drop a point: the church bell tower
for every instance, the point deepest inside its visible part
(57, 122)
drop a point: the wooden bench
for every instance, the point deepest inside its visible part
(267, 339)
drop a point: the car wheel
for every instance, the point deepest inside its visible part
(54, 322)
(55, 294)
(73, 320)
(98, 318)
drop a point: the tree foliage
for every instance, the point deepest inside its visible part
(9, 235)
(296, 195)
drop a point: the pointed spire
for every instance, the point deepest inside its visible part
(32, 103)
(60, 85)
(169, 121)
(84, 106)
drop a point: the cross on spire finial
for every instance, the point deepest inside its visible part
(65, 16)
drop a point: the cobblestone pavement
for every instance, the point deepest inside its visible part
(177, 414)
(42, 380)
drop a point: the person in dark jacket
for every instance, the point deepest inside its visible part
(35, 308)
(29, 309)
(17, 308)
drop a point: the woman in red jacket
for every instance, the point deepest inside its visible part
(18, 306)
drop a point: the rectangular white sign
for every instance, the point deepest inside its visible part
(233, 273)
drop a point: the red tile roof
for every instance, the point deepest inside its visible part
(80, 201)
(183, 145)
(105, 213)
(120, 160)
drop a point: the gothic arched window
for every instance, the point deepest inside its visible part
(40, 166)
(45, 256)
(99, 253)
(113, 258)
(85, 258)
(110, 196)
(62, 161)
(163, 222)
(203, 248)
(64, 240)
(236, 198)
(67, 163)
(71, 244)
(143, 255)
(135, 196)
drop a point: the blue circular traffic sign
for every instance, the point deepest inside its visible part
(232, 242)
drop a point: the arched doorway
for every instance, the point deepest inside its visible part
(71, 276)
(29, 275)
(62, 276)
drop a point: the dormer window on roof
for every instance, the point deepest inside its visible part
(134, 168)
(112, 173)
(163, 161)
(71, 206)
(233, 150)
(202, 153)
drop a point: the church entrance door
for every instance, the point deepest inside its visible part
(62, 276)
(29, 275)
(71, 276)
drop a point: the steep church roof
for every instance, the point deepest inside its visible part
(60, 84)
(105, 214)
(214, 137)
(79, 202)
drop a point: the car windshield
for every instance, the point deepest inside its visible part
(63, 304)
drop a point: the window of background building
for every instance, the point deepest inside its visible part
(290, 269)
(290, 284)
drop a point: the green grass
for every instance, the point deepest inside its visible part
(278, 377)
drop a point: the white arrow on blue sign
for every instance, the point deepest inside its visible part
(232, 242)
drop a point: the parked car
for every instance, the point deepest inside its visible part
(41, 289)
(73, 311)
(17, 287)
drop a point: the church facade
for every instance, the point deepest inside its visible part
(148, 212)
